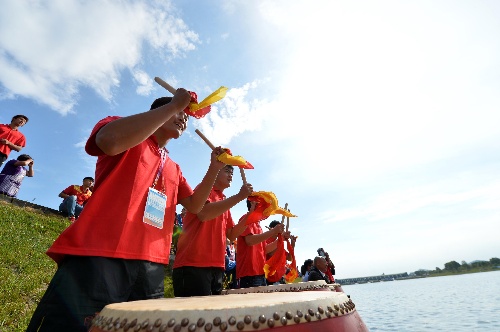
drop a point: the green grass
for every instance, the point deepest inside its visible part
(25, 269)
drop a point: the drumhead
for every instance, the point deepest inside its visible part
(295, 287)
(232, 312)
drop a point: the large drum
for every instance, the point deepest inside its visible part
(319, 285)
(295, 287)
(309, 311)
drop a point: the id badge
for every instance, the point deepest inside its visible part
(154, 213)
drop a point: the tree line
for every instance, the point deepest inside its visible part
(455, 267)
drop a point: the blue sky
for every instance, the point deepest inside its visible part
(377, 122)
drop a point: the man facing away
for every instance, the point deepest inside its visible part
(252, 248)
(74, 198)
(11, 138)
(118, 249)
(200, 260)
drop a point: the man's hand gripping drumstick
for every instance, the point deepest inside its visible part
(246, 186)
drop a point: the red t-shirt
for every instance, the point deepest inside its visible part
(14, 136)
(203, 244)
(76, 190)
(111, 224)
(250, 260)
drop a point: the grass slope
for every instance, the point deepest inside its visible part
(25, 269)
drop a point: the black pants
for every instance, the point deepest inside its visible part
(197, 281)
(83, 286)
(252, 281)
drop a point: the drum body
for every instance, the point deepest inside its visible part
(309, 311)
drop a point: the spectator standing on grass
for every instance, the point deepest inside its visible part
(13, 174)
(11, 138)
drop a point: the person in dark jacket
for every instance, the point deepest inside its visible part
(318, 270)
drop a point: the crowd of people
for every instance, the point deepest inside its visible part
(117, 252)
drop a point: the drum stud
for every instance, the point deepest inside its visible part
(311, 312)
(318, 316)
(109, 321)
(255, 324)
(158, 322)
(288, 315)
(223, 326)
(208, 327)
(321, 310)
(126, 327)
(240, 326)
(270, 322)
(276, 316)
(336, 307)
(296, 319)
(217, 321)
(247, 319)
(163, 328)
(137, 328)
(133, 323)
(262, 319)
(192, 328)
(330, 309)
(307, 317)
(171, 322)
(232, 320)
(145, 324)
(150, 328)
(341, 306)
(110, 327)
(299, 313)
(184, 322)
(342, 311)
(328, 314)
(336, 312)
(283, 320)
(200, 322)
(177, 328)
(123, 322)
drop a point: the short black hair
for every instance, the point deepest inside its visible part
(23, 157)
(20, 116)
(88, 178)
(160, 102)
(274, 223)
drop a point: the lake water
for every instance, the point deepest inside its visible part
(467, 302)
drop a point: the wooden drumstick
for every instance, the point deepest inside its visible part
(283, 217)
(205, 139)
(243, 177)
(287, 221)
(164, 84)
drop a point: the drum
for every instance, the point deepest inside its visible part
(295, 287)
(309, 311)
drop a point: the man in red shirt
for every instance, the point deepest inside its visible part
(200, 259)
(253, 245)
(75, 197)
(11, 138)
(118, 249)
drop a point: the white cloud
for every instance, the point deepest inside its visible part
(236, 113)
(56, 48)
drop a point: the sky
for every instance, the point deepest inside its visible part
(376, 122)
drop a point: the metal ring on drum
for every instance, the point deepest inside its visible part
(307, 311)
